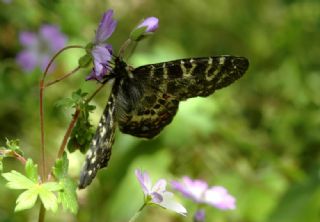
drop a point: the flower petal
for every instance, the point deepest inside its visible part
(200, 216)
(193, 189)
(151, 24)
(101, 57)
(219, 197)
(170, 203)
(28, 39)
(160, 186)
(144, 181)
(53, 37)
(106, 27)
(28, 60)
(156, 197)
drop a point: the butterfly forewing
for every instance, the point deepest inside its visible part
(165, 84)
(188, 78)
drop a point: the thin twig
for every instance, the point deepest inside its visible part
(42, 213)
(20, 158)
(73, 122)
(10, 153)
(94, 93)
(68, 132)
(56, 55)
(63, 77)
(42, 155)
(43, 170)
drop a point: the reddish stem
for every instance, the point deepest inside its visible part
(63, 77)
(73, 122)
(56, 55)
(20, 158)
(42, 87)
(68, 132)
(43, 170)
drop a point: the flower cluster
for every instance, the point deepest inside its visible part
(40, 47)
(102, 52)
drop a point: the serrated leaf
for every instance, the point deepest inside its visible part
(49, 200)
(31, 170)
(52, 186)
(14, 146)
(61, 166)
(26, 200)
(65, 102)
(68, 196)
(17, 181)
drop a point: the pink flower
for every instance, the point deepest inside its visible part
(198, 191)
(157, 194)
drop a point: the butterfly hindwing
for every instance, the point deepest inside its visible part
(151, 113)
(100, 148)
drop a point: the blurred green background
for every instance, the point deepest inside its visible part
(260, 137)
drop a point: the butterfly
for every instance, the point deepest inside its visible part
(145, 99)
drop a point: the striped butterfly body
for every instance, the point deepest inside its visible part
(145, 99)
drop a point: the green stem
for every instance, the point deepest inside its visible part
(124, 47)
(134, 217)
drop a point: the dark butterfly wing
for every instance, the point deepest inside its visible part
(187, 78)
(100, 147)
(152, 112)
(163, 85)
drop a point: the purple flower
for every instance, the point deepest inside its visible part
(151, 24)
(146, 27)
(157, 194)
(198, 191)
(200, 216)
(101, 51)
(106, 27)
(40, 47)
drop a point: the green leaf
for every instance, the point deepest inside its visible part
(13, 145)
(68, 196)
(31, 170)
(85, 60)
(17, 181)
(26, 200)
(60, 168)
(65, 102)
(52, 186)
(49, 200)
